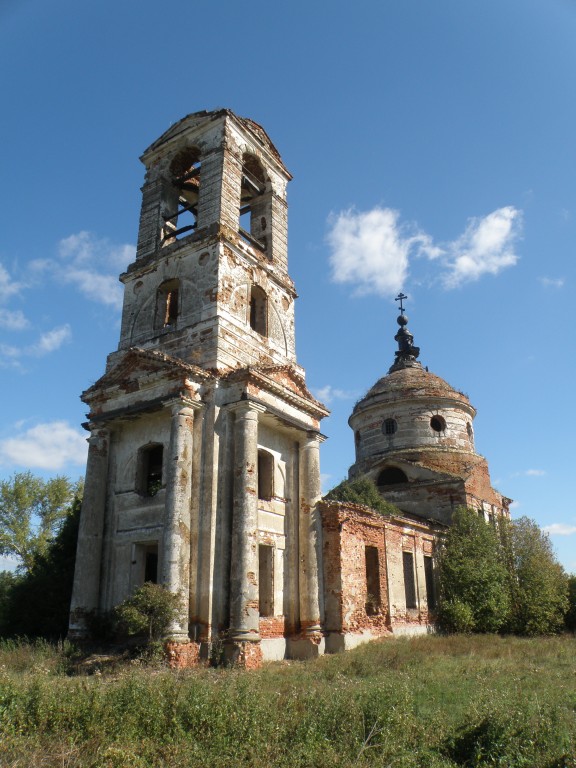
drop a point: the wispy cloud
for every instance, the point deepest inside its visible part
(329, 393)
(373, 250)
(486, 247)
(12, 356)
(13, 320)
(91, 264)
(552, 282)
(560, 529)
(8, 287)
(51, 445)
(530, 473)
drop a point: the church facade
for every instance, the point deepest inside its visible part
(203, 469)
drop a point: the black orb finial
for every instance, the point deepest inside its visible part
(407, 354)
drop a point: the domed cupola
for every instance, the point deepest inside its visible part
(414, 431)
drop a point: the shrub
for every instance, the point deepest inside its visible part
(149, 611)
(472, 573)
(456, 616)
(361, 490)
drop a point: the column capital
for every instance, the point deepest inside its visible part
(181, 406)
(243, 407)
(313, 437)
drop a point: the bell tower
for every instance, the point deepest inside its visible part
(210, 283)
(203, 469)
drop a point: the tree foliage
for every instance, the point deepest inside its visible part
(31, 513)
(571, 615)
(474, 584)
(361, 490)
(539, 586)
(36, 603)
(503, 578)
(150, 611)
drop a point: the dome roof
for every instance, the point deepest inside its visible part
(414, 383)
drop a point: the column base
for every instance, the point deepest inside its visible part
(243, 654)
(183, 655)
(307, 646)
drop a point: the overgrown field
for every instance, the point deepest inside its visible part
(431, 702)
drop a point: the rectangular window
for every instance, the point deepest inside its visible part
(266, 580)
(265, 475)
(409, 580)
(372, 581)
(429, 577)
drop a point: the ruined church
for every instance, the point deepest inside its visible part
(203, 468)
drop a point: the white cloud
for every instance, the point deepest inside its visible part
(486, 247)
(13, 320)
(7, 286)
(92, 264)
(8, 563)
(51, 446)
(328, 394)
(560, 529)
(51, 341)
(373, 249)
(552, 282)
(530, 473)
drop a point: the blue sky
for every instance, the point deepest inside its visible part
(433, 151)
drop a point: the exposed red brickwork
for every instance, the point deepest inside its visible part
(348, 529)
(272, 626)
(183, 655)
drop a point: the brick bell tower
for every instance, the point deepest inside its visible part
(203, 467)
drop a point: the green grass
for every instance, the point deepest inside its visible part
(431, 702)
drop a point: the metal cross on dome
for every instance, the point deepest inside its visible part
(401, 298)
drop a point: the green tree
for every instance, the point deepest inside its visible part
(37, 602)
(571, 615)
(149, 611)
(31, 513)
(473, 578)
(539, 585)
(361, 490)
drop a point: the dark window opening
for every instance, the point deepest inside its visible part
(265, 475)
(409, 580)
(253, 203)
(151, 564)
(438, 424)
(389, 426)
(391, 476)
(266, 580)
(150, 470)
(167, 304)
(258, 310)
(372, 581)
(469, 430)
(182, 214)
(429, 578)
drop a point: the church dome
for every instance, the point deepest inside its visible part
(410, 410)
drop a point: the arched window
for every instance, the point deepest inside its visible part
(149, 469)
(259, 310)
(389, 426)
(265, 475)
(167, 304)
(181, 217)
(253, 218)
(391, 476)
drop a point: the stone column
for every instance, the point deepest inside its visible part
(176, 540)
(309, 533)
(244, 612)
(86, 589)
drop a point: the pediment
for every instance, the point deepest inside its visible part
(137, 365)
